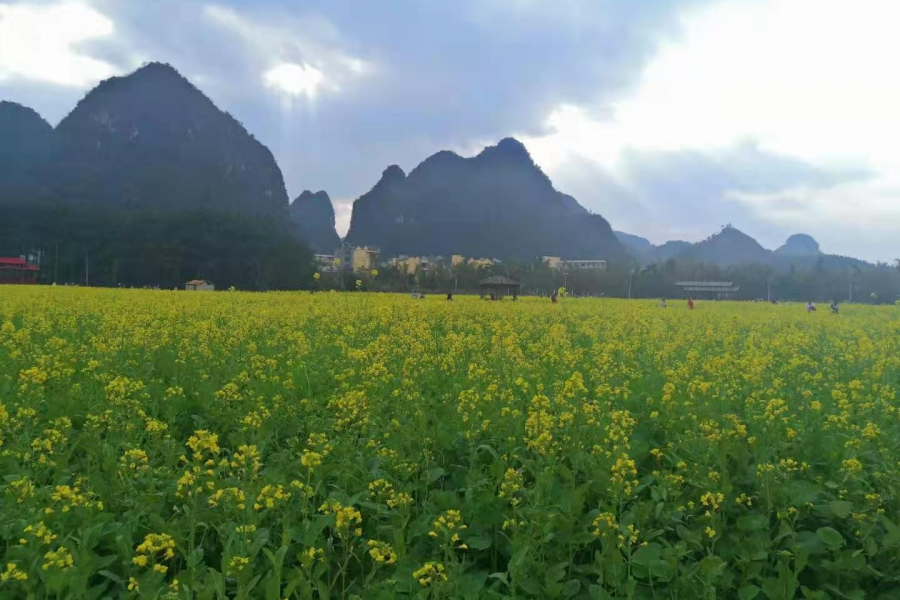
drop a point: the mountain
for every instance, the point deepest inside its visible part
(498, 204)
(152, 184)
(635, 244)
(313, 217)
(672, 249)
(152, 139)
(728, 247)
(799, 244)
(29, 147)
(647, 253)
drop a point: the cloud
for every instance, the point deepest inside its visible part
(295, 56)
(343, 210)
(44, 42)
(808, 84)
(294, 79)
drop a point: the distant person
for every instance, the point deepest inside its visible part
(690, 304)
(810, 307)
(834, 307)
(422, 296)
(415, 295)
(449, 296)
(554, 297)
(663, 303)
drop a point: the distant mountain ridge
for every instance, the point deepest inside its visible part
(313, 216)
(799, 244)
(731, 247)
(645, 251)
(497, 204)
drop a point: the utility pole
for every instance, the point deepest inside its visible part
(851, 293)
(630, 275)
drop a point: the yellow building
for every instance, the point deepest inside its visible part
(554, 262)
(480, 263)
(408, 265)
(457, 259)
(365, 258)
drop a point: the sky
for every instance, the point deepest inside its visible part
(671, 118)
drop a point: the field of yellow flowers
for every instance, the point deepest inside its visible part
(176, 445)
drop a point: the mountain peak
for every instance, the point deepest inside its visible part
(393, 173)
(156, 69)
(508, 148)
(497, 204)
(800, 244)
(312, 216)
(14, 108)
(310, 196)
(156, 121)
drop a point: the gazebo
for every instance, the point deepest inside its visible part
(497, 287)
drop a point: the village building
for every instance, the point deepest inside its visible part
(18, 270)
(482, 263)
(357, 259)
(555, 262)
(719, 290)
(325, 262)
(199, 285)
(364, 259)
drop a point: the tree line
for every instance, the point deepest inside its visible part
(811, 281)
(86, 245)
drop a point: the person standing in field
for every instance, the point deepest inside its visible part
(690, 304)
(553, 297)
(663, 303)
(810, 307)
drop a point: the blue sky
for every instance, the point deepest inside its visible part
(668, 117)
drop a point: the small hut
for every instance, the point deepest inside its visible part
(199, 285)
(497, 287)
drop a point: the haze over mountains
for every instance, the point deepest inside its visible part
(151, 148)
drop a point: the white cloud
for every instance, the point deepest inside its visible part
(343, 210)
(813, 80)
(295, 57)
(294, 79)
(41, 42)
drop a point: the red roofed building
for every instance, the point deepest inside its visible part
(17, 270)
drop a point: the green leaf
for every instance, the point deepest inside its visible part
(645, 555)
(831, 537)
(712, 566)
(479, 542)
(435, 474)
(571, 588)
(841, 508)
(662, 570)
(752, 522)
(748, 592)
